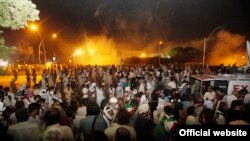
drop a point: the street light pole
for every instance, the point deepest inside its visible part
(35, 28)
(39, 52)
(159, 52)
(44, 51)
(205, 44)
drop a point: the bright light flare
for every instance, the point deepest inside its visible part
(78, 52)
(54, 35)
(3, 63)
(99, 50)
(33, 27)
(143, 55)
(54, 58)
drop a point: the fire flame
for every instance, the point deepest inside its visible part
(228, 49)
(98, 50)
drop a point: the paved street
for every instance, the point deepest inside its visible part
(5, 80)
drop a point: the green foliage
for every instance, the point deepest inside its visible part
(174, 51)
(5, 51)
(16, 14)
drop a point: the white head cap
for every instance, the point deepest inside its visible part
(107, 113)
(113, 100)
(143, 108)
(85, 90)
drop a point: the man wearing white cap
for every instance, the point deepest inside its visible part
(143, 110)
(122, 120)
(143, 125)
(43, 94)
(113, 103)
(127, 94)
(108, 115)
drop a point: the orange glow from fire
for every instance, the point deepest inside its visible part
(143, 55)
(98, 51)
(91, 51)
(227, 50)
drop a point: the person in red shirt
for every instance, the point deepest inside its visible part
(218, 95)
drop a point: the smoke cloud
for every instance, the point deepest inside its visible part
(226, 48)
(130, 28)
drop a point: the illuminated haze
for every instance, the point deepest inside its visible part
(227, 49)
(132, 27)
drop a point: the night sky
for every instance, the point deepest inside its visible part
(139, 22)
(177, 20)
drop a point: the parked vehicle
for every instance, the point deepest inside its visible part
(226, 82)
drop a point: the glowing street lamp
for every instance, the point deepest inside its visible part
(34, 27)
(78, 52)
(54, 58)
(54, 35)
(160, 43)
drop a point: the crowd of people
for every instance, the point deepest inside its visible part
(114, 103)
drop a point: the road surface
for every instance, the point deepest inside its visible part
(5, 80)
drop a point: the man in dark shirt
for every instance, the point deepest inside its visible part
(154, 101)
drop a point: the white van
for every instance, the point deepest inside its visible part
(227, 82)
